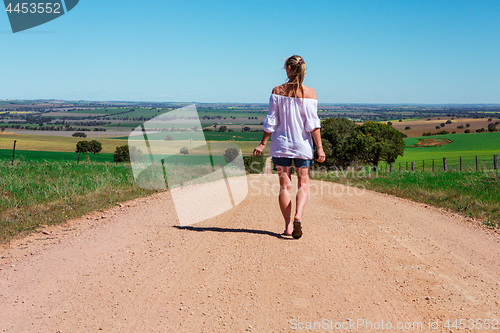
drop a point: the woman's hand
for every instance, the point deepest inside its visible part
(259, 149)
(321, 155)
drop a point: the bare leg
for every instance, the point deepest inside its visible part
(284, 174)
(302, 191)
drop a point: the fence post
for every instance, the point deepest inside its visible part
(460, 163)
(412, 166)
(391, 167)
(495, 161)
(476, 163)
(13, 152)
(445, 163)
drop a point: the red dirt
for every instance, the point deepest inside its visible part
(364, 255)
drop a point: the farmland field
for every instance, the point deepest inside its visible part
(462, 145)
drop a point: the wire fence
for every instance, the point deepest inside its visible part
(460, 163)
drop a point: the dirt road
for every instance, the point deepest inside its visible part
(366, 260)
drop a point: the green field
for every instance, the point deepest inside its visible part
(209, 136)
(50, 192)
(32, 155)
(465, 145)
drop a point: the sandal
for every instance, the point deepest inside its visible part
(297, 229)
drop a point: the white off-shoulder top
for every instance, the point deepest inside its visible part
(291, 120)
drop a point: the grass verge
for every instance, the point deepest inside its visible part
(471, 193)
(34, 193)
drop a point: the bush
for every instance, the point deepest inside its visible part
(481, 130)
(442, 132)
(438, 127)
(223, 128)
(460, 126)
(230, 154)
(467, 125)
(407, 127)
(121, 154)
(79, 135)
(492, 128)
(467, 131)
(169, 138)
(442, 124)
(449, 122)
(254, 164)
(184, 151)
(389, 123)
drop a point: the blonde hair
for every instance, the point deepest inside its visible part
(297, 73)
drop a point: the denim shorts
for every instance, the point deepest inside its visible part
(298, 162)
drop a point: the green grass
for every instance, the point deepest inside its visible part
(470, 144)
(472, 193)
(29, 155)
(33, 193)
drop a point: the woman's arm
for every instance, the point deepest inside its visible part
(316, 134)
(260, 148)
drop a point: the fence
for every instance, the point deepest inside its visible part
(461, 163)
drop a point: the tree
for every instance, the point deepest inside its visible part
(384, 142)
(223, 128)
(121, 154)
(467, 125)
(79, 135)
(230, 154)
(246, 129)
(83, 147)
(342, 143)
(95, 146)
(184, 151)
(2, 128)
(492, 127)
(407, 128)
(169, 138)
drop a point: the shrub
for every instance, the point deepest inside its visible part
(449, 122)
(467, 131)
(407, 127)
(230, 154)
(254, 164)
(389, 123)
(467, 125)
(121, 154)
(442, 124)
(223, 128)
(184, 151)
(460, 126)
(481, 130)
(438, 127)
(79, 135)
(492, 128)
(169, 138)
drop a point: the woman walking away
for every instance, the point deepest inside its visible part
(293, 121)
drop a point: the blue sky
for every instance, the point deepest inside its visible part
(233, 51)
